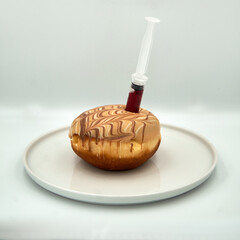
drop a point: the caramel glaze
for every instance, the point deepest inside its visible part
(111, 123)
(111, 138)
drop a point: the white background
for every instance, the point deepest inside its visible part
(64, 53)
(59, 58)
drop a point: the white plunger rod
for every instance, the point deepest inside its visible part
(146, 46)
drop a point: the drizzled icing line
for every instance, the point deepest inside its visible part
(104, 120)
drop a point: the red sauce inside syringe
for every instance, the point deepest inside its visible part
(134, 98)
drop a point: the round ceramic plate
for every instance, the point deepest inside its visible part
(183, 161)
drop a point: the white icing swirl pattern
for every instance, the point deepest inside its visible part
(112, 123)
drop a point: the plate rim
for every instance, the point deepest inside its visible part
(50, 186)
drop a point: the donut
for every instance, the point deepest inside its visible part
(111, 138)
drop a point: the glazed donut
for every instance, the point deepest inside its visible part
(111, 138)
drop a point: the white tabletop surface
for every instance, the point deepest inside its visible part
(27, 211)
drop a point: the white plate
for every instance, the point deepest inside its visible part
(183, 161)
